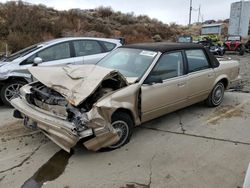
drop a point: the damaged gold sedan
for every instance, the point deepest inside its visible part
(99, 105)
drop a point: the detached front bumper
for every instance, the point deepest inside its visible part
(63, 132)
(59, 131)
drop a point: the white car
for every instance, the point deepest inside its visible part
(57, 52)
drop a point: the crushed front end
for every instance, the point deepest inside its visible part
(47, 110)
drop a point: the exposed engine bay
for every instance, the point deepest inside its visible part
(50, 100)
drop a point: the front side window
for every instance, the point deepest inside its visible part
(87, 47)
(56, 52)
(29, 60)
(197, 60)
(169, 66)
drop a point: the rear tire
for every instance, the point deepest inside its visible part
(10, 90)
(124, 125)
(215, 98)
(242, 50)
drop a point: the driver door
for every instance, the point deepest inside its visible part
(56, 55)
(161, 98)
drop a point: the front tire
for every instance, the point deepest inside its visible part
(216, 96)
(10, 90)
(123, 124)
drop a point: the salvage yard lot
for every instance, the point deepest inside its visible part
(194, 147)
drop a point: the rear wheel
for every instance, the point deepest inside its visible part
(123, 124)
(216, 96)
(242, 50)
(10, 90)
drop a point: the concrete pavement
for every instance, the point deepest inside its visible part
(194, 147)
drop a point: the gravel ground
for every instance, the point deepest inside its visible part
(244, 69)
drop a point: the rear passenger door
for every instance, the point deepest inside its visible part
(200, 75)
(88, 51)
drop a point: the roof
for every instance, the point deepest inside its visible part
(212, 25)
(163, 46)
(65, 39)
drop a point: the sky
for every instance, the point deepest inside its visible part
(167, 11)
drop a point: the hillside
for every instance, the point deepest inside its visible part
(23, 24)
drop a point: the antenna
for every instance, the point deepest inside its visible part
(190, 13)
(199, 14)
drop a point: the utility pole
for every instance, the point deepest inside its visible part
(199, 14)
(190, 13)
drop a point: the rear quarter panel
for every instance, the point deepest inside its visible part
(228, 69)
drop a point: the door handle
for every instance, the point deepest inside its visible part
(181, 84)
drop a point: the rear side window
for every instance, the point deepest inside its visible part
(56, 52)
(197, 60)
(87, 47)
(110, 46)
(169, 66)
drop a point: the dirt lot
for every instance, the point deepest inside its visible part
(194, 147)
(244, 69)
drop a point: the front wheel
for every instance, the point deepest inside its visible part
(216, 96)
(123, 124)
(10, 90)
(221, 52)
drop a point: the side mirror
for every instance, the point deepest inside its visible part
(37, 61)
(153, 80)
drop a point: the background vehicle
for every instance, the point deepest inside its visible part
(233, 43)
(213, 43)
(247, 46)
(132, 85)
(185, 39)
(62, 51)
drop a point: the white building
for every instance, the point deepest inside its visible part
(208, 29)
(239, 23)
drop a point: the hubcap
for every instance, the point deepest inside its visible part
(122, 130)
(218, 94)
(12, 91)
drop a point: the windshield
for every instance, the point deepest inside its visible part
(129, 62)
(22, 52)
(185, 39)
(233, 38)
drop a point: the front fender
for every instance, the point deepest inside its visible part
(126, 98)
(25, 76)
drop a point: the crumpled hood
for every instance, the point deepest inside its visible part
(75, 82)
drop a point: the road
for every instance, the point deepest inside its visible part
(194, 147)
